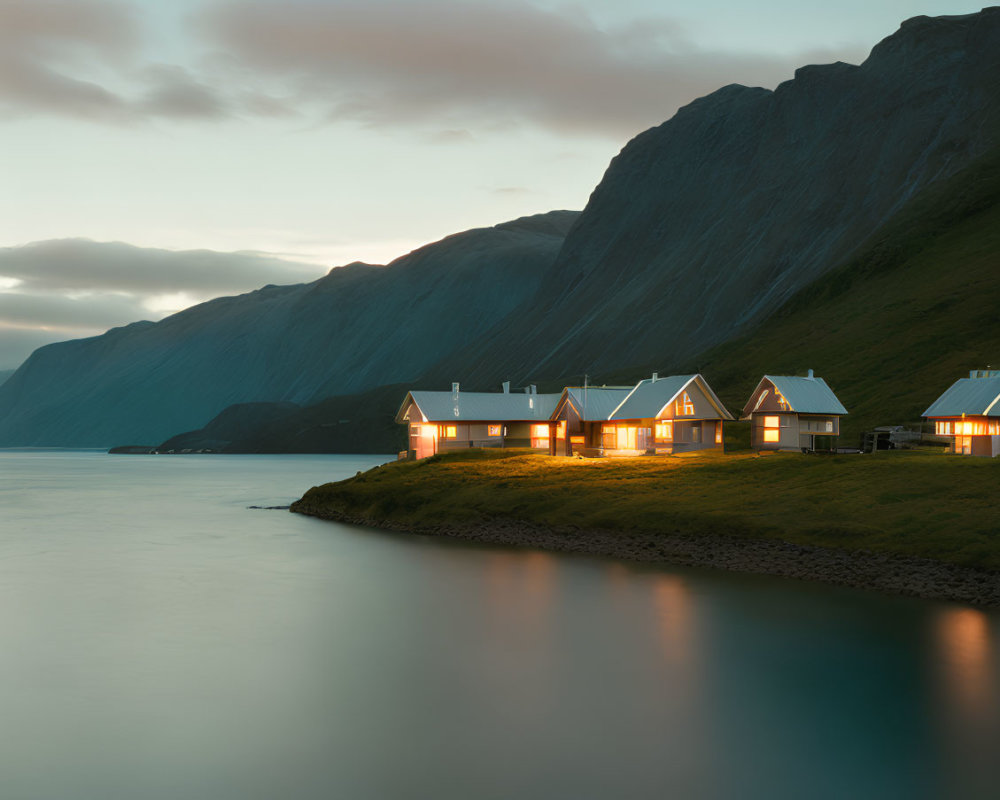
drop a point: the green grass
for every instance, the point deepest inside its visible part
(918, 504)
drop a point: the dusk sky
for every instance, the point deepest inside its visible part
(321, 133)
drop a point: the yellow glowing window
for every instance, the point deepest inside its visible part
(718, 433)
(966, 428)
(493, 430)
(683, 407)
(772, 435)
(561, 430)
(626, 438)
(576, 439)
(448, 432)
(772, 422)
(664, 431)
(539, 431)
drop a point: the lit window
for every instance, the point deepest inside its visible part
(718, 433)
(561, 430)
(683, 407)
(577, 440)
(626, 438)
(539, 436)
(829, 426)
(493, 430)
(448, 432)
(772, 432)
(664, 431)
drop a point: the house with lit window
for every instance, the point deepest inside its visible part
(791, 412)
(582, 411)
(662, 416)
(969, 414)
(443, 421)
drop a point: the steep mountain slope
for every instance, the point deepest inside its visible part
(889, 330)
(705, 225)
(893, 328)
(356, 328)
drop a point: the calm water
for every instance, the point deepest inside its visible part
(160, 640)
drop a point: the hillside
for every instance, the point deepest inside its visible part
(357, 328)
(889, 329)
(894, 327)
(704, 226)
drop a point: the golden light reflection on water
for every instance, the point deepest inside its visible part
(520, 588)
(675, 621)
(970, 674)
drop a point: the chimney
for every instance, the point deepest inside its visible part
(656, 377)
(454, 388)
(506, 387)
(534, 389)
(809, 375)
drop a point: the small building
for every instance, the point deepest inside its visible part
(579, 417)
(455, 420)
(969, 414)
(789, 412)
(662, 416)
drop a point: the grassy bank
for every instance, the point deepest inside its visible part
(908, 504)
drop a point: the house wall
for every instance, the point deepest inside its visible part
(703, 408)
(428, 438)
(789, 434)
(797, 431)
(688, 435)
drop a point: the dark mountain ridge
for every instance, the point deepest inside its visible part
(705, 225)
(358, 327)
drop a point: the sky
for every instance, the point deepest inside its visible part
(154, 155)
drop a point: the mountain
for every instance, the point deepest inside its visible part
(4, 375)
(889, 329)
(357, 328)
(704, 232)
(702, 227)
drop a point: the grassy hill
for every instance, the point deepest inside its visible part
(897, 325)
(889, 504)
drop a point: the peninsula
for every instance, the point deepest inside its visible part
(911, 523)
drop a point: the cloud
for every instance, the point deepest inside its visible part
(46, 44)
(68, 288)
(444, 66)
(73, 265)
(447, 61)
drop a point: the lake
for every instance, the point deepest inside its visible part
(159, 639)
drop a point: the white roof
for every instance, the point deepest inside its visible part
(648, 399)
(805, 395)
(480, 406)
(979, 397)
(595, 402)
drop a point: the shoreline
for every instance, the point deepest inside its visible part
(893, 574)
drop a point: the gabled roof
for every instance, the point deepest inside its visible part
(480, 406)
(805, 395)
(974, 396)
(595, 402)
(650, 397)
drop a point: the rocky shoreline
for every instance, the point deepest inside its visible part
(917, 577)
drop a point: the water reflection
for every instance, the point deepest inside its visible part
(966, 655)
